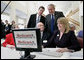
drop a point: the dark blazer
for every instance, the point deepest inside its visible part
(32, 21)
(68, 40)
(45, 36)
(57, 15)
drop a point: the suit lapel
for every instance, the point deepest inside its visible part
(49, 19)
(56, 16)
(40, 18)
(35, 19)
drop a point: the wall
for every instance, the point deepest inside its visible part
(77, 15)
(81, 15)
(31, 7)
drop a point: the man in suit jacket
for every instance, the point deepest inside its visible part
(55, 15)
(35, 18)
(44, 34)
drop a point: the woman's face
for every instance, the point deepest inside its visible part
(60, 26)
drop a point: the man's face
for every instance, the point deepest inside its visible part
(6, 22)
(13, 22)
(40, 11)
(51, 9)
(40, 26)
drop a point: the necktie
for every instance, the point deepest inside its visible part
(52, 24)
(37, 21)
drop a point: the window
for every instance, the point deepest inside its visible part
(5, 17)
(21, 23)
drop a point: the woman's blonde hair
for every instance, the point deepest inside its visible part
(64, 21)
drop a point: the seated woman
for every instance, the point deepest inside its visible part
(9, 41)
(63, 38)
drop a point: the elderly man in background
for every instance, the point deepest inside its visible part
(44, 34)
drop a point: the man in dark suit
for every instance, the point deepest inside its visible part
(35, 18)
(51, 19)
(44, 34)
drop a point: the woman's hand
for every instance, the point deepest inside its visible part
(63, 50)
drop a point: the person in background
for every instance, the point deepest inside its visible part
(63, 38)
(7, 27)
(9, 41)
(51, 19)
(35, 18)
(44, 34)
(80, 34)
(13, 25)
(72, 28)
(2, 30)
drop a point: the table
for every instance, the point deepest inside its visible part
(66, 55)
(7, 53)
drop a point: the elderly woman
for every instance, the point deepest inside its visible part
(63, 38)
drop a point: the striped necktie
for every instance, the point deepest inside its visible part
(38, 19)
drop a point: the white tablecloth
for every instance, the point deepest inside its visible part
(7, 53)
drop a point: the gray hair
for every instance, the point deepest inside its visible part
(72, 25)
(52, 5)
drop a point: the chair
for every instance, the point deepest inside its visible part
(80, 40)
